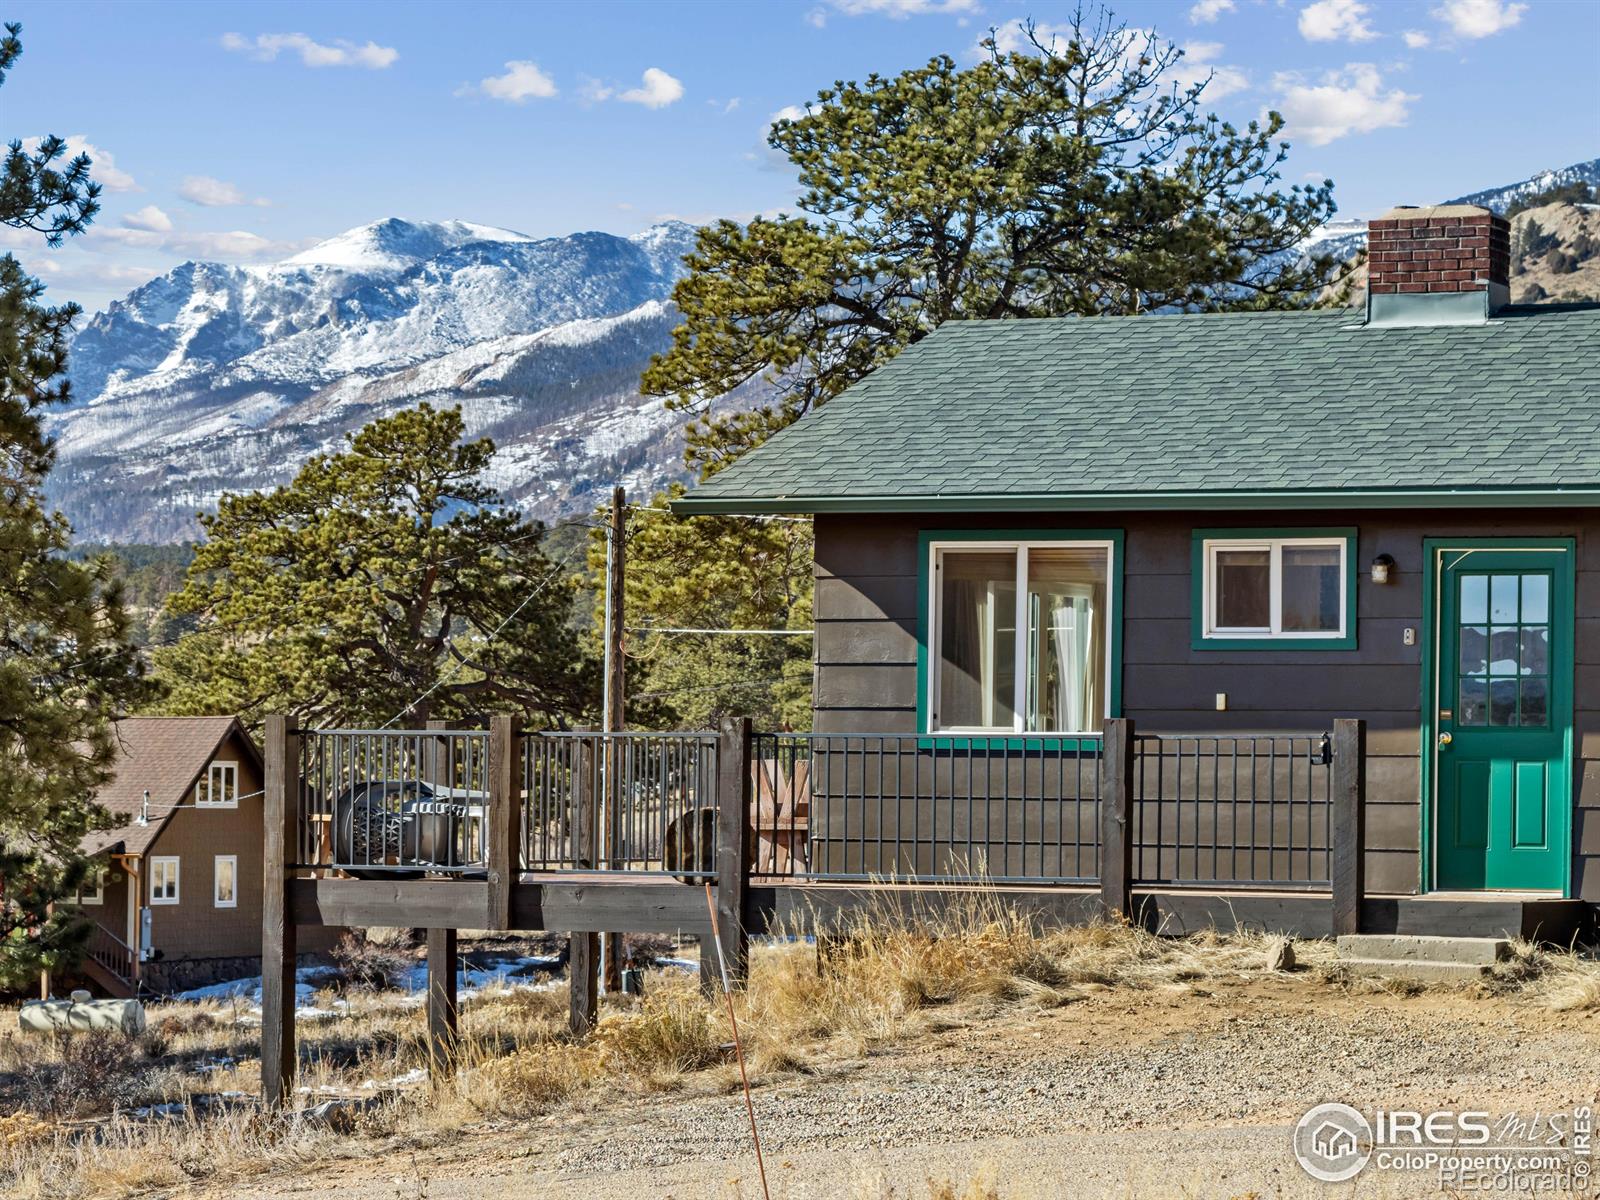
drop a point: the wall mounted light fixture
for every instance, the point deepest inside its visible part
(1381, 567)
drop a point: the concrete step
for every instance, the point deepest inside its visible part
(1417, 969)
(1395, 947)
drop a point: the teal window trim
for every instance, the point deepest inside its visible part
(1429, 684)
(1197, 591)
(931, 739)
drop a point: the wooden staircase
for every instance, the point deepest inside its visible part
(109, 962)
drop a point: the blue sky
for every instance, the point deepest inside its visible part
(243, 132)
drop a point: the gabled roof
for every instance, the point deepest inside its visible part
(164, 755)
(1234, 410)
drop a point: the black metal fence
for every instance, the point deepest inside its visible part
(382, 802)
(620, 802)
(1245, 810)
(907, 806)
(1233, 811)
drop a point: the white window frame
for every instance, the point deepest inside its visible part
(1274, 631)
(224, 769)
(216, 880)
(158, 866)
(94, 890)
(936, 552)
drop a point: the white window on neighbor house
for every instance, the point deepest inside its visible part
(1021, 634)
(1275, 588)
(93, 890)
(164, 880)
(218, 787)
(225, 881)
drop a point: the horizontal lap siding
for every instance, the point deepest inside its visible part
(866, 649)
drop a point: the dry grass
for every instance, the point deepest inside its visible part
(887, 977)
(1560, 980)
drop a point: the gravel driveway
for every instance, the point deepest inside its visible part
(1126, 1094)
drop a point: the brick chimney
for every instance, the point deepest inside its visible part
(1443, 265)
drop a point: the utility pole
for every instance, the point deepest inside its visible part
(615, 675)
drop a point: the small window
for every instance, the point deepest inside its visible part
(1021, 636)
(225, 881)
(164, 880)
(218, 787)
(1260, 590)
(93, 890)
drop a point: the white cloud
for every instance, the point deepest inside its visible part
(1479, 18)
(338, 53)
(897, 10)
(1416, 38)
(150, 218)
(1207, 11)
(1352, 100)
(1199, 62)
(215, 193)
(656, 90)
(1335, 20)
(227, 245)
(104, 171)
(522, 81)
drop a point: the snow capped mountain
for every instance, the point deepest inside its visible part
(214, 377)
(1501, 198)
(1346, 238)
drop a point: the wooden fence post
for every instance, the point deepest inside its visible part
(1116, 819)
(1347, 870)
(502, 845)
(280, 799)
(583, 947)
(443, 1027)
(733, 858)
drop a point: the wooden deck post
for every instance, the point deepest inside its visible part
(443, 1028)
(502, 845)
(1116, 819)
(1347, 868)
(583, 948)
(281, 802)
(733, 858)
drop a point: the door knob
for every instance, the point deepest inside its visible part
(1446, 738)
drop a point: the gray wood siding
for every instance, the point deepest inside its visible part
(866, 648)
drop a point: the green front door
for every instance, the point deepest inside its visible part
(1502, 717)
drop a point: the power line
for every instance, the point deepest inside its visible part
(493, 633)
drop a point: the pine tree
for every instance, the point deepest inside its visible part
(66, 668)
(1076, 177)
(386, 583)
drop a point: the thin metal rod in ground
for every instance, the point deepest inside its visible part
(738, 1050)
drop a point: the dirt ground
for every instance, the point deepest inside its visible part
(1176, 1093)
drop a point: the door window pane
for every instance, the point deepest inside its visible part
(1475, 599)
(1535, 598)
(1066, 639)
(1474, 707)
(1502, 701)
(977, 639)
(1535, 650)
(1535, 701)
(1503, 598)
(1474, 649)
(1244, 589)
(1311, 589)
(1504, 650)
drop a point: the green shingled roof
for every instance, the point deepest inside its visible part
(1227, 410)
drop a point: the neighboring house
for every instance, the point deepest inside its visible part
(1214, 524)
(179, 903)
